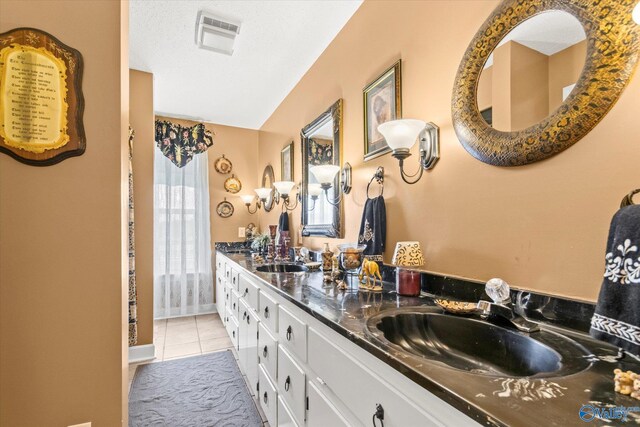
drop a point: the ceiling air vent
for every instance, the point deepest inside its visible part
(216, 33)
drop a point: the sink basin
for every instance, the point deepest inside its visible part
(476, 346)
(281, 268)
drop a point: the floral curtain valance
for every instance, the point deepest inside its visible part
(179, 144)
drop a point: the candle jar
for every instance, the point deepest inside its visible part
(408, 282)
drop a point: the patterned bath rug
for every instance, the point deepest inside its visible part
(199, 391)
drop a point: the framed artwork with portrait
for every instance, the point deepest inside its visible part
(286, 163)
(382, 102)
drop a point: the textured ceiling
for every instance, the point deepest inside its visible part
(277, 44)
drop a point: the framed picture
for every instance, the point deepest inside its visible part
(382, 103)
(286, 163)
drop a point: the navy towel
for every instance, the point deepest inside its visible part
(617, 317)
(373, 228)
(283, 222)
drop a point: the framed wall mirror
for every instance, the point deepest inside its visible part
(268, 178)
(538, 76)
(321, 145)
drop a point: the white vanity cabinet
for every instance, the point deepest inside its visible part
(308, 375)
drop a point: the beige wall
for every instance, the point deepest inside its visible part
(542, 226)
(141, 118)
(240, 146)
(564, 70)
(62, 287)
(529, 86)
(485, 86)
(501, 87)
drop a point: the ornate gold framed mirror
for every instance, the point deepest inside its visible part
(609, 53)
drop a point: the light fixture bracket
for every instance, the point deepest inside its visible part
(429, 146)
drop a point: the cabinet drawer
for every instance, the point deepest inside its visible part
(268, 397)
(292, 333)
(249, 291)
(235, 282)
(359, 388)
(268, 312)
(291, 384)
(321, 411)
(235, 304)
(285, 419)
(232, 330)
(220, 264)
(268, 352)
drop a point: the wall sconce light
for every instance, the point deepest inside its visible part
(402, 134)
(263, 194)
(326, 174)
(314, 190)
(285, 188)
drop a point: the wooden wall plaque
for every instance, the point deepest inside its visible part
(41, 102)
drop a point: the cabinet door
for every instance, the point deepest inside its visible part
(243, 336)
(268, 397)
(268, 351)
(285, 419)
(292, 333)
(291, 384)
(268, 312)
(232, 330)
(321, 412)
(249, 291)
(252, 349)
(220, 295)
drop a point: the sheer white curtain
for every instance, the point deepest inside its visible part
(182, 276)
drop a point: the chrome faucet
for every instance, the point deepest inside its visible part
(502, 307)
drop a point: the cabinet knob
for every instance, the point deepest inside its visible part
(289, 332)
(246, 292)
(287, 383)
(266, 312)
(233, 333)
(379, 414)
(234, 280)
(248, 317)
(264, 351)
(265, 397)
(244, 316)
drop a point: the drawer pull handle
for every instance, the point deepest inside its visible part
(244, 316)
(266, 312)
(234, 305)
(287, 383)
(233, 333)
(234, 280)
(264, 351)
(265, 398)
(248, 317)
(246, 292)
(379, 414)
(289, 332)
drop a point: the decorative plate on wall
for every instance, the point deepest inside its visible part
(232, 185)
(224, 209)
(223, 165)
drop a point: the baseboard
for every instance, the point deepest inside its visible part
(142, 353)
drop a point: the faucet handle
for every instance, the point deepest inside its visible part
(498, 290)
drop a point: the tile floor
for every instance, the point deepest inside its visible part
(190, 336)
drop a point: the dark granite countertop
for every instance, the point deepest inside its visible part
(490, 400)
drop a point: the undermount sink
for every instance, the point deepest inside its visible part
(476, 346)
(281, 268)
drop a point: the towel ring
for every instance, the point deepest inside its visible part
(379, 177)
(628, 199)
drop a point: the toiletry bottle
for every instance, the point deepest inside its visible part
(327, 255)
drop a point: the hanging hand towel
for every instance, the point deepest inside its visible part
(373, 228)
(283, 222)
(617, 317)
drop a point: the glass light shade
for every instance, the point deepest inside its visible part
(263, 193)
(284, 187)
(314, 190)
(636, 14)
(247, 198)
(408, 254)
(325, 173)
(401, 134)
